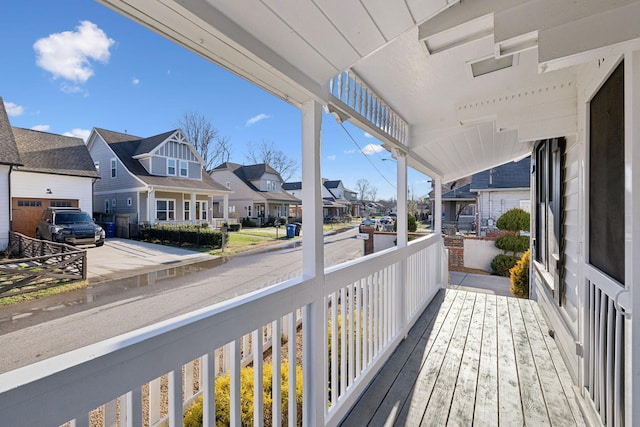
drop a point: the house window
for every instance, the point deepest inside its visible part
(549, 214)
(113, 203)
(97, 166)
(106, 206)
(129, 201)
(165, 210)
(171, 167)
(249, 211)
(114, 165)
(228, 185)
(201, 210)
(271, 185)
(183, 168)
(187, 210)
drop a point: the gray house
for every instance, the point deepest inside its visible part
(155, 179)
(502, 188)
(257, 191)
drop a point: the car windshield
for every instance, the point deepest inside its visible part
(72, 217)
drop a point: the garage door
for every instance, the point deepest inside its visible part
(27, 212)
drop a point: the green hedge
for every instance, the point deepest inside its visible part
(513, 243)
(501, 264)
(182, 235)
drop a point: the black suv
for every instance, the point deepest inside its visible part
(69, 225)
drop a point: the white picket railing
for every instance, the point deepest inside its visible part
(348, 90)
(148, 377)
(605, 346)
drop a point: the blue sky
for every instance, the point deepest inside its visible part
(72, 65)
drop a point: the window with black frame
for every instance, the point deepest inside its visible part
(549, 212)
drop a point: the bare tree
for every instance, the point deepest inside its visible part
(212, 147)
(363, 188)
(266, 152)
(373, 192)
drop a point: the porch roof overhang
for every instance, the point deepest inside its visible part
(423, 61)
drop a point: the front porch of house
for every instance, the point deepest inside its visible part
(472, 359)
(461, 357)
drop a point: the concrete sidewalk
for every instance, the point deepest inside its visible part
(484, 283)
(120, 258)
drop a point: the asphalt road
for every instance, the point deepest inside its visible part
(40, 330)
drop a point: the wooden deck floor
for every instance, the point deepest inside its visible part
(472, 359)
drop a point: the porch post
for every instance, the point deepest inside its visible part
(225, 207)
(192, 209)
(401, 219)
(437, 208)
(401, 236)
(313, 339)
(632, 231)
(151, 206)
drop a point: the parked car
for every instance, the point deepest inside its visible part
(369, 223)
(69, 225)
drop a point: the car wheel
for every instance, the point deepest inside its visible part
(38, 235)
(99, 243)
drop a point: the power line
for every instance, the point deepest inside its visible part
(367, 157)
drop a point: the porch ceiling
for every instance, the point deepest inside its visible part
(417, 56)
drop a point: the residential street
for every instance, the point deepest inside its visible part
(34, 331)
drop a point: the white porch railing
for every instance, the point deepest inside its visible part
(604, 357)
(376, 300)
(354, 96)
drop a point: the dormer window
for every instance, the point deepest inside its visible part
(171, 167)
(184, 170)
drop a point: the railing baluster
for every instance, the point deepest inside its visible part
(292, 329)
(334, 349)
(350, 332)
(359, 328)
(276, 386)
(175, 397)
(234, 399)
(258, 359)
(208, 386)
(343, 341)
(154, 401)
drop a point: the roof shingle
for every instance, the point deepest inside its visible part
(9, 154)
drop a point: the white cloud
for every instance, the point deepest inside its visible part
(135, 81)
(368, 135)
(69, 54)
(79, 133)
(256, 119)
(370, 149)
(13, 110)
(41, 128)
(331, 157)
(350, 151)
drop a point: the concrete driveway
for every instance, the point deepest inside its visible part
(120, 258)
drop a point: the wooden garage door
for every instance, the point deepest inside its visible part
(27, 212)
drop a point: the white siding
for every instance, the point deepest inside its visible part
(5, 206)
(492, 204)
(35, 185)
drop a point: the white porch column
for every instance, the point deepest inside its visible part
(401, 236)
(225, 208)
(314, 343)
(632, 232)
(437, 206)
(151, 206)
(192, 209)
(402, 225)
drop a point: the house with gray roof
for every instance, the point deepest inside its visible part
(257, 191)
(57, 171)
(158, 179)
(40, 170)
(335, 203)
(501, 188)
(9, 159)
